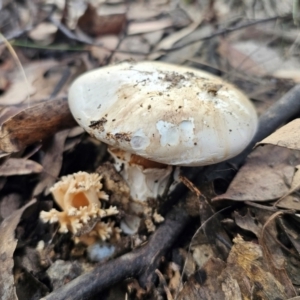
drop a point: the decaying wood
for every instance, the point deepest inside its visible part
(34, 124)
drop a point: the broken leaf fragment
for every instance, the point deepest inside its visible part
(291, 199)
(245, 276)
(245, 264)
(286, 136)
(7, 247)
(19, 166)
(266, 175)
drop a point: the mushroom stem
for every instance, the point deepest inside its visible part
(147, 179)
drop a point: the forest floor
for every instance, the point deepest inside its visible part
(228, 231)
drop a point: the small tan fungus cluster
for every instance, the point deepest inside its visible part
(103, 231)
(78, 195)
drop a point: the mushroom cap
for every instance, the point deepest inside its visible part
(166, 113)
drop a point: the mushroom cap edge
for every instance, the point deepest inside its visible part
(166, 113)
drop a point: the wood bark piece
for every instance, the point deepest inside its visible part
(34, 124)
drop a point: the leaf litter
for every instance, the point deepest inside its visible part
(7, 234)
(247, 241)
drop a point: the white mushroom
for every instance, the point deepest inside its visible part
(169, 114)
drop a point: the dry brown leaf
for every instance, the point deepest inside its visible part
(52, 162)
(266, 175)
(7, 247)
(169, 41)
(292, 233)
(19, 166)
(119, 57)
(107, 44)
(36, 85)
(143, 10)
(96, 24)
(287, 136)
(43, 33)
(253, 57)
(246, 276)
(291, 200)
(28, 286)
(205, 283)
(74, 137)
(153, 37)
(75, 132)
(149, 26)
(177, 56)
(245, 264)
(276, 260)
(183, 53)
(4, 82)
(202, 253)
(288, 74)
(135, 44)
(35, 124)
(239, 60)
(9, 203)
(2, 182)
(248, 222)
(274, 256)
